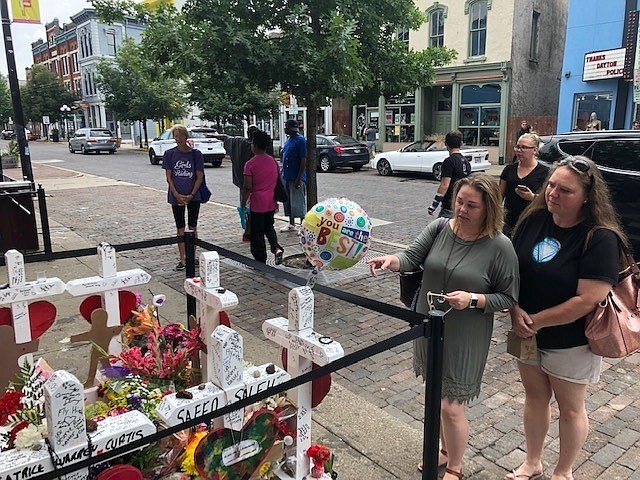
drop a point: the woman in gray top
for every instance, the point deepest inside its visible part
(470, 267)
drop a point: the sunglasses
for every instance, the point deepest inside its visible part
(519, 148)
(577, 164)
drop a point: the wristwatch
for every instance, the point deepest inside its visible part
(473, 303)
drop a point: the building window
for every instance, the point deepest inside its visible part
(480, 114)
(436, 29)
(111, 42)
(403, 35)
(65, 65)
(533, 47)
(74, 61)
(78, 86)
(587, 104)
(478, 29)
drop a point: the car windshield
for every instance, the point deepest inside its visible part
(202, 133)
(344, 139)
(100, 133)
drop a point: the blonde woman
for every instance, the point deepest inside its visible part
(471, 268)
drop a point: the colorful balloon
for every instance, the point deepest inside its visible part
(335, 234)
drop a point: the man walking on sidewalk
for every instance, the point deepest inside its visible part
(294, 161)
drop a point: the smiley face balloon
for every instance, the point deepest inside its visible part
(335, 234)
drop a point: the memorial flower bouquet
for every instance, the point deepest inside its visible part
(165, 356)
(322, 460)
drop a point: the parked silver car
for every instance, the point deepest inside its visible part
(96, 140)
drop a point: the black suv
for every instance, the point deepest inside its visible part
(617, 154)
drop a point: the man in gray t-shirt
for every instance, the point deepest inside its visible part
(370, 135)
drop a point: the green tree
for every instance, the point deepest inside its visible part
(6, 109)
(136, 89)
(44, 94)
(314, 49)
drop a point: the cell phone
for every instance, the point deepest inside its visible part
(522, 187)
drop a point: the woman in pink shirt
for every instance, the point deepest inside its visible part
(260, 176)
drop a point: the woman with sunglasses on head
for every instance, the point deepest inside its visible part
(470, 271)
(562, 280)
(520, 181)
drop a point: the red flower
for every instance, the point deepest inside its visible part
(318, 454)
(9, 405)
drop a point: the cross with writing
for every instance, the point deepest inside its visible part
(108, 283)
(212, 299)
(305, 347)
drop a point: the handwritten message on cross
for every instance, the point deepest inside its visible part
(211, 298)
(304, 347)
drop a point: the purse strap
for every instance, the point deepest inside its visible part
(626, 258)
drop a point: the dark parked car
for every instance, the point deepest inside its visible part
(617, 154)
(340, 151)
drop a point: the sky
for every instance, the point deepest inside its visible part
(24, 34)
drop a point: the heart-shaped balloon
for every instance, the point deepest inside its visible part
(126, 299)
(41, 317)
(319, 387)
(260, 429)
(120, 472)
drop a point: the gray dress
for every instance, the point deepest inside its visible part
(488, 266)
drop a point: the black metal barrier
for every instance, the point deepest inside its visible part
(430, 327)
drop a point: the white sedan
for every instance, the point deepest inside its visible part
(425, 157)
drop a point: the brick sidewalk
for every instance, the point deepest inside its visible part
(118, 214)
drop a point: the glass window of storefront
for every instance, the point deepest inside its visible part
(587, 103)
(400, 121)
(480, 114)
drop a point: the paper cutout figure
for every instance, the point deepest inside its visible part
(11, 352)
(101, 335)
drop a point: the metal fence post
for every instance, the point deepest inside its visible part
(190, 270)
(435, 333)
(44, 220)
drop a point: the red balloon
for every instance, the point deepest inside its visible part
(127, 304)
(120, 472)
(319, 387)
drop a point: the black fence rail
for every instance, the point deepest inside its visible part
(430, 326)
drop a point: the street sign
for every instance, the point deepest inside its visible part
(45, 120)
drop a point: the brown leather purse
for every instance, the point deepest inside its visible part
(613, 328)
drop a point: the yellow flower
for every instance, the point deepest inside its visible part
(264, 469)
(189, 462)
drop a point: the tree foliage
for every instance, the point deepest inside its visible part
(44, 94)
(5, 101)
(135, 88)
(314, 49)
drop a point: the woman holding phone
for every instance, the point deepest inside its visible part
(520, 181)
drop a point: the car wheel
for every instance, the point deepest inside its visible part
(384, 168)
(71, 149)
(153, 157)
(216, 163)
(324, 164)
(357, 168)
(437, 171)
(83, 150)
(111, 152)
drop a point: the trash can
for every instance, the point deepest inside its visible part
(55, 135)
(17, 217)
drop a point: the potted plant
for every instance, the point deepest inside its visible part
(10, 156)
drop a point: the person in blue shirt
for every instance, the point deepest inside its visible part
(294, 161)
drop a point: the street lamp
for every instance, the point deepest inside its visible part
(65, 109)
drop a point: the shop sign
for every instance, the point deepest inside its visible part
(603, 65)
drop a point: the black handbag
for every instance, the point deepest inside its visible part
(280, 190)
(410, 282)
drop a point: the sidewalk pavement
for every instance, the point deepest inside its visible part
(373, 416)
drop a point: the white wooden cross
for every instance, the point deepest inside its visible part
(20, 292)
(212, 299)
(108, 283)
(304, 347)
(67, 434)
(228, 383)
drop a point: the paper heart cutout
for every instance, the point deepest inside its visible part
(41, 316)
(126, 299)
(319, 387)
(262, 428)
(120, 472)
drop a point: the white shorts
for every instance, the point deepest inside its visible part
(575, 365)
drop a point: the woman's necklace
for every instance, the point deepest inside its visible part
(445, 277)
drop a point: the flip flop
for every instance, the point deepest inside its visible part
(454, 473)
(524, 476)
(440, 465)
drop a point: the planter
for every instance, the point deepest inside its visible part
(10, 161)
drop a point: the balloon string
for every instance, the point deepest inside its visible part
(313, 277)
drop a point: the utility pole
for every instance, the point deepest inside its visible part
(18, 114)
